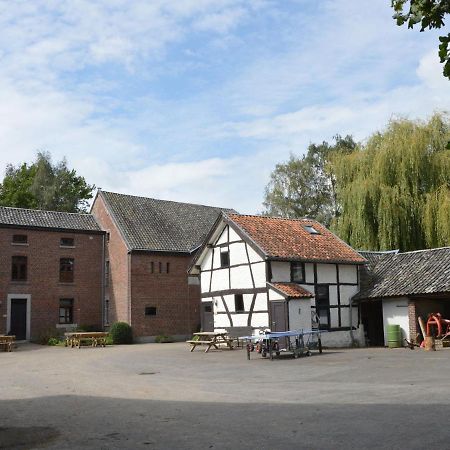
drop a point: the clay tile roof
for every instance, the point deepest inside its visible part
(34, 218)
(288, 239)
(292, 290)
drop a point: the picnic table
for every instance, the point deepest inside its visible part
(95, 338)
(210, 339)
(7, 342)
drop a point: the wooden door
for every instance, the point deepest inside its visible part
(207, 316)
(278, 321)
(18, 322)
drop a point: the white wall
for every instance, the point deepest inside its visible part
(343, 339)
(348, 273)
(300, 314)
(395, 312)
(281, 271)
(326, 273)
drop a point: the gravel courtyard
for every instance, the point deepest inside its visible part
(161, 396)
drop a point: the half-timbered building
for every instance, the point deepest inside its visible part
(263, 272)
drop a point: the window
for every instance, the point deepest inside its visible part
(310, 229)
(323, 306)
(20, 239)
(297, 272)
(19, 268)
(67, 242)
(150, 311)
(106, 273)
(224, 259)
(152, 267)
(66, 270)
(167, 267)
(239, 303)
(66, 310)
(160, 267)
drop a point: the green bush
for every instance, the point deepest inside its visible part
(164, 338)
(53, 341)
(121, 333)
(46, 334)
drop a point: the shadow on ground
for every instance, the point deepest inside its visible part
(106, 423)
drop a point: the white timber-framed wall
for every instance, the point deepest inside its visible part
(248, 273)
(245, 276)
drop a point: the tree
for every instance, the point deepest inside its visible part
(429, 14)
(305, 186)
(395, 190)
(44, 185)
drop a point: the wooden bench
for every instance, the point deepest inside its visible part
(7, 343)
(210, 339)
(96, 338)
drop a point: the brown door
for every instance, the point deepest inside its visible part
(207, 316)
(278, 321)
(19, 318)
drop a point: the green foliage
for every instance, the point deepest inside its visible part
(163, 339)
(305, 186)
(395, 190)
(46, 335)
(53, 341)
(429, 14)
(121, 333)
(44, 185)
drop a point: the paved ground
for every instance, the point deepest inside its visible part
(160, 396)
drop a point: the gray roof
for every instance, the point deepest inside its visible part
(26, 218)
(160, 225)
(405, 274)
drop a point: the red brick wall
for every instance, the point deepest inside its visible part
(177, 302)
(412, 315)
(44, 252)
(117, 253)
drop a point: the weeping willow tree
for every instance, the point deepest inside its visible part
(394, 191)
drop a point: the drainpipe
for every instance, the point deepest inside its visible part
(352, 338)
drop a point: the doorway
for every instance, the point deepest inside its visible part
(207, 316)
(372, 320)
(18, 316)
(278, 315)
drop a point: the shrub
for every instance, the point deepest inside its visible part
(121, 333)
(53, 341)
(164, 338)
(45, 335)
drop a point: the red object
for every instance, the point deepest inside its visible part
(443, 325)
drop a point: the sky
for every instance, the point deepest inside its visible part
(198, 100)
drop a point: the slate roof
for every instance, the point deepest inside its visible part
(159, 225)
(32, 218)
(405, 274)
(288, 239)
(292, 290)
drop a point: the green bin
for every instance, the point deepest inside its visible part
(394, 336)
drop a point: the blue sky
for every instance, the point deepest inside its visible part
(197, 100)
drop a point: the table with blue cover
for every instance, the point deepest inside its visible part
(296, 343)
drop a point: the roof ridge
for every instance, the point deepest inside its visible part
(423, 250)
(298, 219)
(46, 211)
(163, 200)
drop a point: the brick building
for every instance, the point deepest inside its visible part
(51, 271)
(150, 245)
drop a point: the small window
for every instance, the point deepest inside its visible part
(310, 229)
(239, 303)
(67, 242)
(152, 267)
(160, 267)
(208, 308)
(297, 272)
(66, 310)
(224, 259)
(19, 268)
(20, 239)
(167, 267)
(106, 312)
(66, 270)
(150, 311)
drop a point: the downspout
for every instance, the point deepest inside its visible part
(352, 338)
(103, 281)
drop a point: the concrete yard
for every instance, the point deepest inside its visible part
(160, 396)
